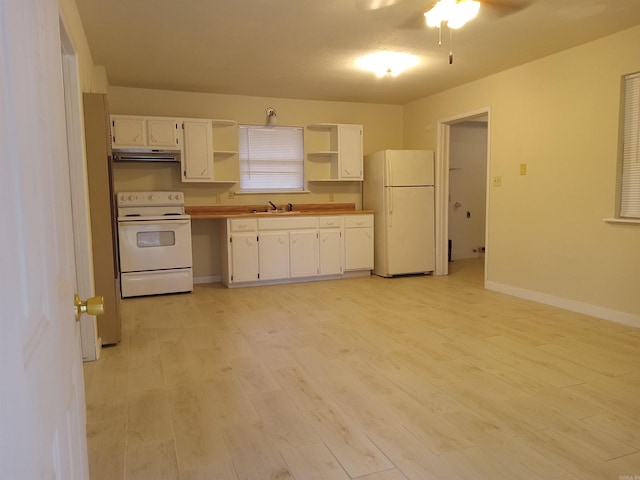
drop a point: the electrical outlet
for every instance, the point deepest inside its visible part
(231, 194)
(523, 169)
(497, 181)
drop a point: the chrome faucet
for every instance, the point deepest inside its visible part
(290, 207)
(273, 205)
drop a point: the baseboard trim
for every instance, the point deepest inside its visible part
(571, 305)
(209, 279)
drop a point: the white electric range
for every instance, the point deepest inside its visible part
(154, 236)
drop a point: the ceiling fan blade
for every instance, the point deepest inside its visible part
(505, 7)
(499, 8)
(375, 4)
(415, 22)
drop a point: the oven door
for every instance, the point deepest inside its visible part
(154, 245)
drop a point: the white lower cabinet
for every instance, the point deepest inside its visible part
(303, 253)
(358, 242)
(244, 257)
(330, 246)
(272, 249)
(241, 238)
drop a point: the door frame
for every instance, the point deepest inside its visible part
(443, 154)
(78, 179)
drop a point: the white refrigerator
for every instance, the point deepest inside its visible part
(399, 188)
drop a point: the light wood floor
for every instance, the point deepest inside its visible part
(372, 379)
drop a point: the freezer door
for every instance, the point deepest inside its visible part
(409, 167)
(410, 230)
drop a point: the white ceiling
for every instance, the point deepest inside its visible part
(307, 49)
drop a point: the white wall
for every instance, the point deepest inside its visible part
(560, 115)
(467, 188)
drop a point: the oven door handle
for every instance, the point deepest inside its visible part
(154, 222)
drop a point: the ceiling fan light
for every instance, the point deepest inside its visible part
(463, 12)
(455, 12)
(440, 12)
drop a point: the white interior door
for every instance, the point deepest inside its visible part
(43, 433)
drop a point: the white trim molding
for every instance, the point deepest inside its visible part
(566, 304)
(442, 159)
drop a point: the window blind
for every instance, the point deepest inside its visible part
(630, 188)
(271, 158)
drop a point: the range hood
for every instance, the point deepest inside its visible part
(145, 155)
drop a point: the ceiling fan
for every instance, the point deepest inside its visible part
(500, 7)
(453, 13)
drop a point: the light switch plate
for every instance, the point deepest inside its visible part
(497, 181)
(523, 169)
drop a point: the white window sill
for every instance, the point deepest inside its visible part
(270, 192)
(628, 221)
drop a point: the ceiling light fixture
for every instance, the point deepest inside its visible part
(387, 64)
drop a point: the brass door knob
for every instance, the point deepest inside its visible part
(91, 306)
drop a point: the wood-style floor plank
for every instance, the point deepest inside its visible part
(409, 378)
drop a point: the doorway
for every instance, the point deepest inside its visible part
(459, 212)
(467, 189)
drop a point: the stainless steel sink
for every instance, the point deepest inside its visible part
(276, 212)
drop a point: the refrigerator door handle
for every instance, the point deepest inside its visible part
(388, 167)
(390, 205)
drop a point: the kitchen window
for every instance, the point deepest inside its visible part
(630, 176)
(271, 158)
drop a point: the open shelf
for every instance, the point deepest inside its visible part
(223, 123)
(324, 153)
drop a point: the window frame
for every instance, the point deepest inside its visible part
(244, 131)
(630, 150)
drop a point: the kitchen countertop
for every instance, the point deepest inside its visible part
(300, 209)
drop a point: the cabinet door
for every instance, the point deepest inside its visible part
(197, 161)
(162, 133)
(274, 255)
(358, 248)
(330, 252)
(303, 247)
(128, 131)
(350, 151)
(244, 257)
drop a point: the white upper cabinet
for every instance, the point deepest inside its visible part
(163, 133)
(129, 131)
(344, 153)
(350, 157)
(197, 161)
(193, 137)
